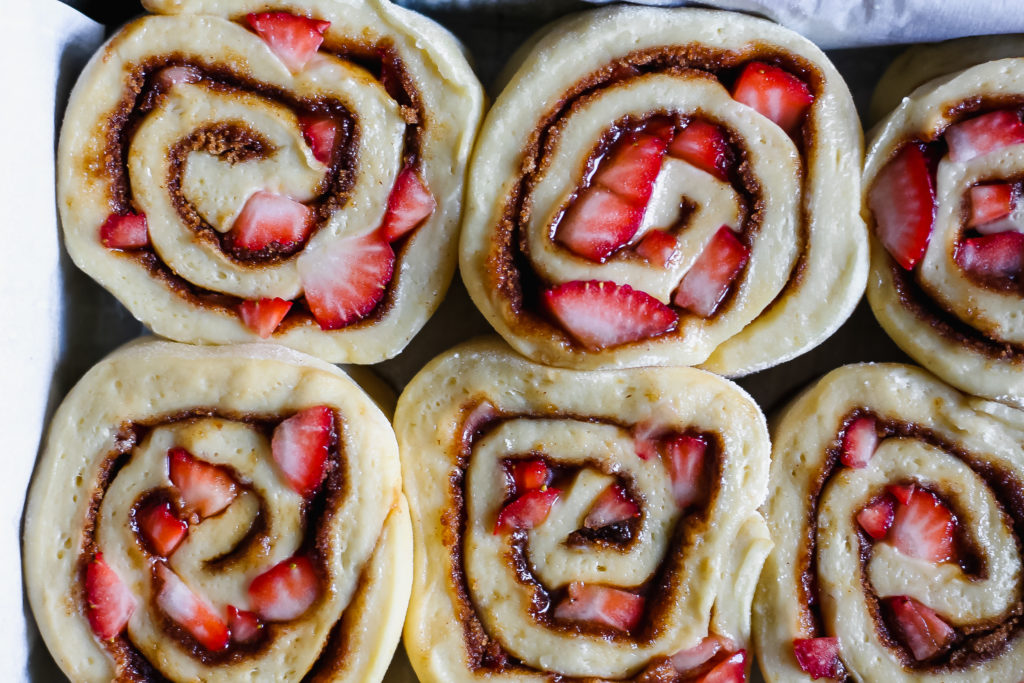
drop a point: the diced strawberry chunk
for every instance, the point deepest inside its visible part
(190, 611)
(286, 590)
(300, 446)
(923, 527)
(661, 127)
(293, 39)
(631, 166)
(704, 145)
(685, 456)
(242, 624)
(612, 506)
(320, 132)
(989, 203)
(409, 203)
(160, 527)
(602, 314)
(708, 280)
(1000, 255)
(271, 219)
(731, 670)
(598, 223)
(173, 75)
(526, 511)
(603, 605)
(205, 488)
(658, 247)
(819, 657)
(859, 442)
(876, 518)
(919, 627)
(901, 492)
(530, 474)
(109, 602)
(124, 231)
(902, 198)
(983, 134)
(774, 93)
(263, 316)
(346, 279)
(688, 661)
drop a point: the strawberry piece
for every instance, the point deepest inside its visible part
(923, 527)
(409, 203)
(271, 219)
(109, 602)
(687, 661)
(730, 670)
(658, 247)
(173, 75)
(320, 132)
(612, 506)
(1000, 255)
(530, 474)
(124, 231)
(645, 440)
(708, 280)
(346, 279)
(989, 203)
(293, 39)
(774, 93)
(286, 590)
(598, 223)
(526, 511)
(902, 198)
(190, 611)
(242, 624)
(704, 145)
(876, 518)
(205, 488)
(819, 657)
(919, 627)
(595, 604)
(160, 527)
(631, 166)
(859, 442)
(983, 134)
(901, 492)
(684, 458)
(263, 316)
(479, 416)
(300, 445)
(602, 314)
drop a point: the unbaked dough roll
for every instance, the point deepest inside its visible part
(597, 525)
(234, 170)
(218, 514)
(896, 509)
(667, 187)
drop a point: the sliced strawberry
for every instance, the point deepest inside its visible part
(530, 474)
(658, 247)
(983, 134)
(989, 203)
(731, 670)
(612, 506)
(205, 488)
(859, 442)
(346, 279)
(876, 518)
(190, 611)
(124, 231)
(646, 439)
(631, 166)
(409, 203)
(596, 604)
(919, 627)
(173, 75)
(243, 625)
(300, 445)
(271, 219)
(819, 657)
(109, 602)
(1000, 255)
(685, 456)
(902, 198)
(708, 280)
(774, 93)
(286, 590)
(602, 314)
(704, 145)
(923, 527)
(263, 316)
(687, 661)
(320, 132)
(598, 223)
(901, 492)
(160, 527)
(293, 39)
(526, 511)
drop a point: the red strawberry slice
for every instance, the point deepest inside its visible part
(923, 527)
(731, 670)
(1000, 255)
(300, 445)
(983, 134)
(346, 279)
(658, 247)
(631, 166)
(207, 489)
(859, 442)
(684, 457)
(902, 198)
(612, 506)
(598, 223)
(989, 203)
(876, 518)
(919, 627)
(286, 590)
(409, 203)
(173, 75)
(190, 611)
(160, 527)
(243, 625)
(526, 511)
(901, 492)
(596, 604)
(263, 316)
(646, 439)
(704, 145)
(602, 314)
(708, 280)
(819, 657)
(271, 219)
(774, 93)
(320, 132)
(109, 602)
(124, 231)
(687, 661)
(293, 39)
(530, 474)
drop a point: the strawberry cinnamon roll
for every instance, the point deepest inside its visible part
(897, 513)
(667, 187)
(215, 514)
(580, 526)
(237, 170)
